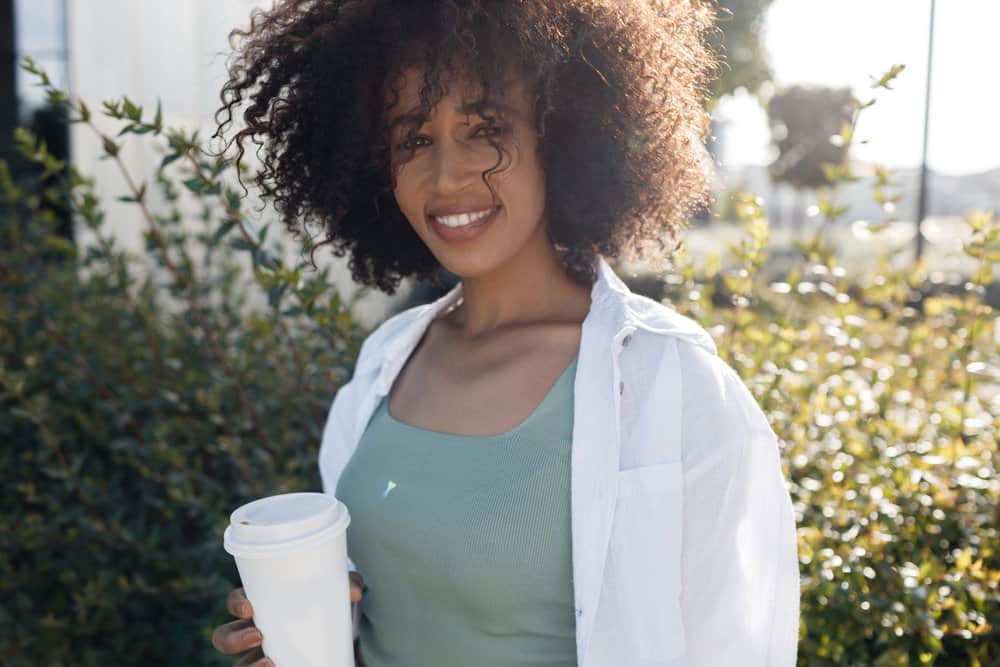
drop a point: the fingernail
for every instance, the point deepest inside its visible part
(252, 634)
(245, 609)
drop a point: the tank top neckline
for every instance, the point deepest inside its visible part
(384, 407)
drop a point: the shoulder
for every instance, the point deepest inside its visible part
(382, 335)
(720, 414)
(718, 410)
(709, 382)
(660, 319)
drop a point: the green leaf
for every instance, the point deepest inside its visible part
(223, 229)
(111, 109)
(110, 147)
(263, 258)
(831, 172)
(28, 65)
(983, 251)
(59, 244)
(168, 158)
(846, 132)
(888, 77)
(131, 110)
(52, 166)
(233, 199)
(158, 119)
(275, 294)
(241, 243)
(57, 97)
(979, 220)
(195, 184)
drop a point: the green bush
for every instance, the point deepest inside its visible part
(888, 416)
(138, 411)
(141, 410)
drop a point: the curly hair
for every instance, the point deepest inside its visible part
(619, 89)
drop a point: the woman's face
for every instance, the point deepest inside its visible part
(439, 185)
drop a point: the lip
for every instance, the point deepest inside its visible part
(468, 232)
(459, 207)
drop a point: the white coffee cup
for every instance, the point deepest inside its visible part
(291, 553)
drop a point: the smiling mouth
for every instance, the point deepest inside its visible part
(463, 219)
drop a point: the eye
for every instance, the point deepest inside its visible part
(490, 131)
(410, 144)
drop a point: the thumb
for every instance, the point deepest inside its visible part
(357, 586)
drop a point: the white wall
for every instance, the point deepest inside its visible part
(176, 51)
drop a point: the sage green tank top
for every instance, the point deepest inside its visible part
(465, 541)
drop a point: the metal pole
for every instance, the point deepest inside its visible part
(922, 201)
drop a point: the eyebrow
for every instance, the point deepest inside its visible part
(413, 117)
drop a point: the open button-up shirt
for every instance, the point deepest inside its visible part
(684, 542)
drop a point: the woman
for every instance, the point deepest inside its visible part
(541, 467)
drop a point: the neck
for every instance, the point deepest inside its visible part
(532, 288)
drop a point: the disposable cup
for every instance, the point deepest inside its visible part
(291, 553)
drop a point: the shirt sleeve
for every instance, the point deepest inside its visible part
(339, 426)
(335, 434)
(740, 583)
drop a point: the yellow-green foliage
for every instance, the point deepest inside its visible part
(884, 391)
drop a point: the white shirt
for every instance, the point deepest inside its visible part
(684, 543)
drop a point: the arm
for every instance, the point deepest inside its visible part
(740, 597)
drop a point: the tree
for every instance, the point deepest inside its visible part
(739, 40)
(805, 123)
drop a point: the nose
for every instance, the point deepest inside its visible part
(453, 166)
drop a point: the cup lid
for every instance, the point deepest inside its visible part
(275, 524)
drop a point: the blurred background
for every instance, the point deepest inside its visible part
(790, 61)
(165, 359)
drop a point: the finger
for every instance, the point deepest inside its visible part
(357, 586)
(254, 659)
(236, 637)
(238, 605)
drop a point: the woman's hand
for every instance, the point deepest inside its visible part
(357, 590)
(241, 635)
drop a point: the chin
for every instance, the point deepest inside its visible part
(470, 265)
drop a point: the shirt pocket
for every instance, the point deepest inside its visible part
(646, 548)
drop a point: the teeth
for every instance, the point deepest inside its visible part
(462, 219)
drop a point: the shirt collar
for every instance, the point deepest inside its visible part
(607, 307)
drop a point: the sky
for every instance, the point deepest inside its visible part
(847, 42)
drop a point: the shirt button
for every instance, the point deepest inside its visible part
(621, 388)
(626, 340)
